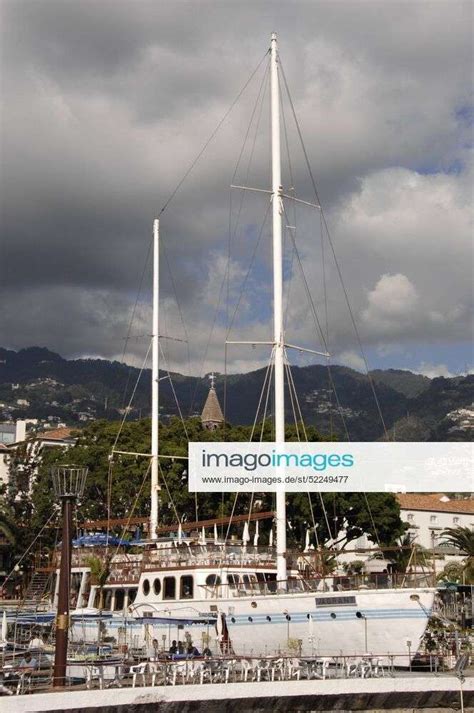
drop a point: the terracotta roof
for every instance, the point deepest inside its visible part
(211, 412)
(415, 501)
(56, 434)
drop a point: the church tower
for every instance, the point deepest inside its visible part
(212, 417)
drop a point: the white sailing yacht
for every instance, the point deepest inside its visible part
(233, 596)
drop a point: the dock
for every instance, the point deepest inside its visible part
(415, 693)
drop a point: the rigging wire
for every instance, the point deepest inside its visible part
(231, 234)
(318, 329)
(333, 251)
(119, 432)
(213, 134)
(28, 549)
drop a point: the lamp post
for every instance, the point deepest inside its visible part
(68, 484)
(360, 615)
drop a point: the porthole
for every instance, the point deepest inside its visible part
(232, 618)
(333, 616)
(157, 586)
(146, 587)
(250, 618)
(269, 618)
(253, 605)
(288, 617)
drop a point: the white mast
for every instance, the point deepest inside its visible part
(277, 210)
(155, 376)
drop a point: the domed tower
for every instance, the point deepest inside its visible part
(212, 417)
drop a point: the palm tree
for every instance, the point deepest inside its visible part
(403, 556)
(462, 538)
(100, 571)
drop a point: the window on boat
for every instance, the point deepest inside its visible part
(146, 587)
(249, 581)
(119, 599)
(108, 599)
(76, 579)
(169, 588)
(157, 586)
(271, 581)
(233, 580)
(294, 584)
(132, 594)
(186, 587)
(213, 580)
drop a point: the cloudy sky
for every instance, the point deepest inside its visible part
(106, 104)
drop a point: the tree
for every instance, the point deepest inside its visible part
(127, 479)
(463, 539)
(407, 554)
(460, 537)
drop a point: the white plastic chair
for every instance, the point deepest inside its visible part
(139, 670)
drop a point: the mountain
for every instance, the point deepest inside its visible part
(401, 380)
(37, 383)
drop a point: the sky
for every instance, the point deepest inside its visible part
(106, 104)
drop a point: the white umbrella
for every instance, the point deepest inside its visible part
(256, 536)
(246, 535)
(215, 534)
(219, 626)
(203, 536)
(3, 635)
(307, 543)
(270, 539)
(180, 533)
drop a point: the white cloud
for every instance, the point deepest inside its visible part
(350, 359)
(434, 370)
(103, 117)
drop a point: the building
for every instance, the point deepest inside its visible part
(34, 445)
(10, 433)
(212, 417)
(428, 515)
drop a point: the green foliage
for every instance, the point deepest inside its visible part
(377, 514)
(460, 537)
(463, 539)
(409, 553)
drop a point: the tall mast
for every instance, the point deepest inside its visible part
(155, 376)
(278, 337)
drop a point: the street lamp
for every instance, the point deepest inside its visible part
(68, 484)
(360, 615)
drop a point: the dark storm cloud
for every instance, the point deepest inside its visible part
(106, 104)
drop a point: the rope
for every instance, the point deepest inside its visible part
(336, 261)
(214, 132)
(53, 514)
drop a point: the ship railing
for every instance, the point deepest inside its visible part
(251, 585)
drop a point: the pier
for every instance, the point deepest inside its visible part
(416, 693)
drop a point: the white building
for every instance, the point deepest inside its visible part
(429, 515)
(9, 433)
